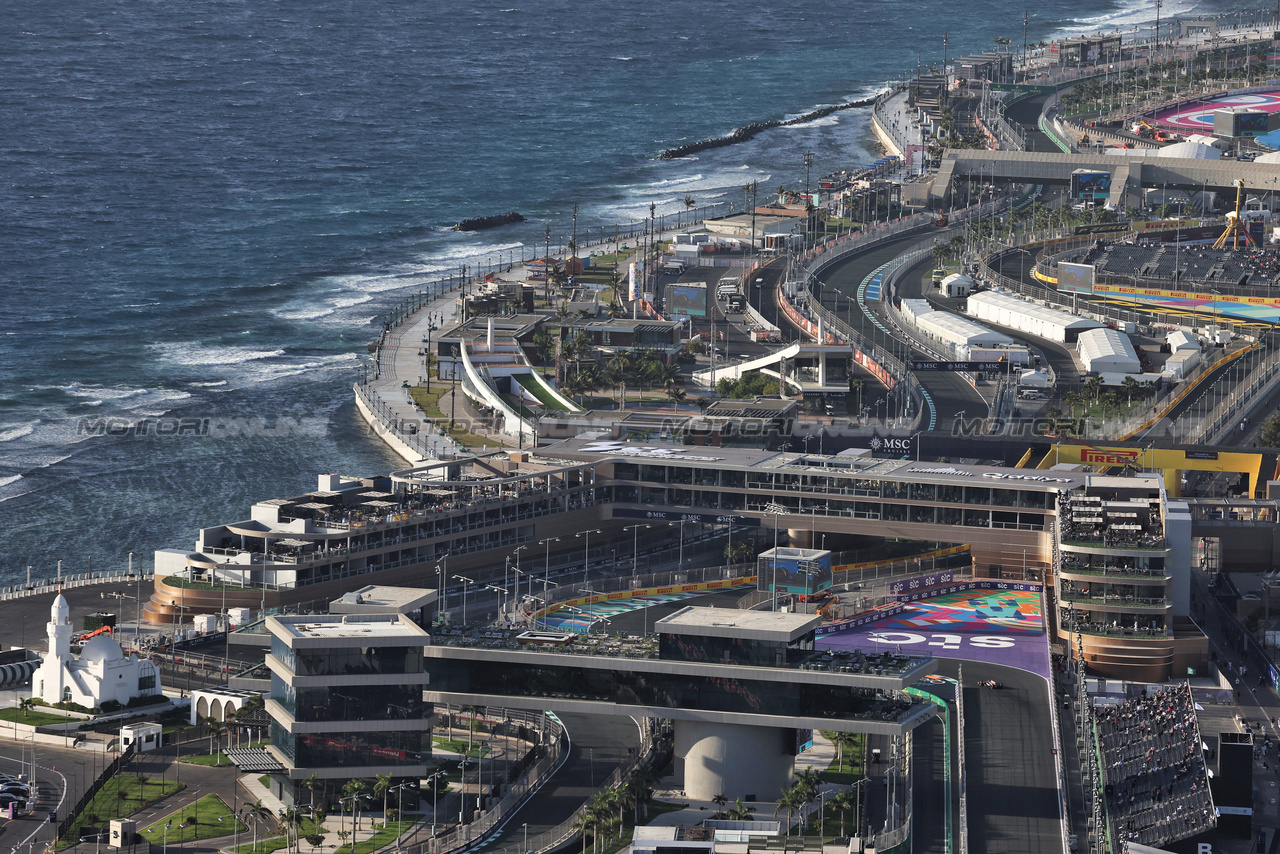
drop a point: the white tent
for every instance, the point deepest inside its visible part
(1107, 351)
(1004, 309)
(1180, 340)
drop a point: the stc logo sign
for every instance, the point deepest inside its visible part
(941, 641)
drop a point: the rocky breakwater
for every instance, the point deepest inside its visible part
(492, 221)
(747, 132)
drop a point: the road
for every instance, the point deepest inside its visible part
(1009, 754)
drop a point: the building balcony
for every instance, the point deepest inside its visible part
(1116, 603)
(1114, 574)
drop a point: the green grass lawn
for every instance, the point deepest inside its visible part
(852, 768)
(32, 717)
(535, 388)
(459, 746)
(210, 759)
(431, 401)
(265, 846)
(212, 818)
(385, 836)
(123, 795)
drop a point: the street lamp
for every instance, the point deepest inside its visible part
(586, 551)
(776, 509)
(435, 794)
(465, 581)
(496, 589)
(546, 574)
(441, 594)
(635, 546)
(516, 568)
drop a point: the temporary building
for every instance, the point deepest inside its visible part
(956, 285)
(1034, 379)
(1179, 365)
(914, 309)
(1180, 340)
(1004, 309)
(959, 333)
(1107, 351)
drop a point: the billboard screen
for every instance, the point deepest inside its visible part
(1075, 278)
(1090, 185)
(633, 284)
(690, 299)
(1249, 125)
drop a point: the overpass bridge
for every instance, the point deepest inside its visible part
(1129, 173)
(737, 684)
(812, 356)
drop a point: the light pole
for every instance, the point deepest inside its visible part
(441, 569)
(525, 827)
(546, 572)
(586, 551)
(465, 582)
(635, 546)
(516, 568)
(680, 564)
(435, 795)
(776, 509)
(496, 589)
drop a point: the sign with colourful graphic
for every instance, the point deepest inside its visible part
(972, 610)
(1198, 118)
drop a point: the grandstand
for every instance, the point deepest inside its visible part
(1157, 787)
(1187, 265)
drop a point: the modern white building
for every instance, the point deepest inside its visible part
(100, 673)
(1107, 351)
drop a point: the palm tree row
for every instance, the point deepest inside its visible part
(605, 816)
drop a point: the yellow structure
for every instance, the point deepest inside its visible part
(1171, 463)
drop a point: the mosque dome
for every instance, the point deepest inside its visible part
(101, 648)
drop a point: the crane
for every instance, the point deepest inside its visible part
(1235, 223)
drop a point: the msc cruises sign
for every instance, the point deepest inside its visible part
(892, 446)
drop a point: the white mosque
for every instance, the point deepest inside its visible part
(101, 672)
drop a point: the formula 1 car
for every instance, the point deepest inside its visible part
(989, 683)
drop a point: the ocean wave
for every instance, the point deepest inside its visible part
(1124, 16)
(203, 355)
(6, 480)
(213, 384)
(101, 393)
(9, 432)
(825, 121)
(259, 373)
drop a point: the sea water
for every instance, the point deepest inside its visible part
(207, 205)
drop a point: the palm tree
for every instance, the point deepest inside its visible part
(258, 814)
(355, 790)
(215, 728)
(311, 784)
(1093, 388)
(25, 704)
(742, 812)
(842, 802)
(290, 822)
(1130, 385)
(689, 202)
(382, 786)
(676, 394)
(720, 801)
(792, 801)
(808, 782)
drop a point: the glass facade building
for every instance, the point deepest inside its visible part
(346, 696)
